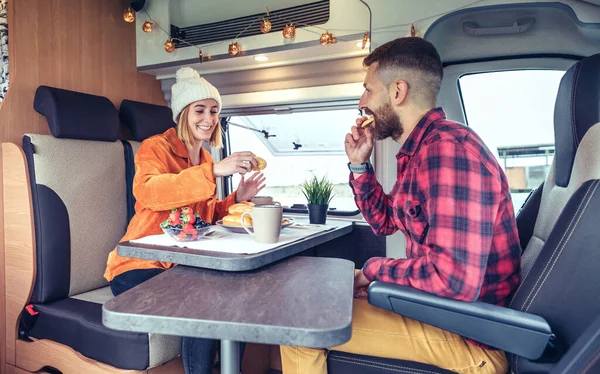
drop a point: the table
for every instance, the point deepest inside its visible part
(303, 301)
(230, 261)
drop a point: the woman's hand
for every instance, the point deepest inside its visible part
(247, 189)
(237, 162)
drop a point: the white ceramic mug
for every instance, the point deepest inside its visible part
(264, 200)
(266, 222)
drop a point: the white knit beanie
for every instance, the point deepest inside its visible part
(191, 87)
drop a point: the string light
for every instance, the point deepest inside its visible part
(289, 31)
(147, 26)
(365, 41)
(169, 46)
(327, 38)
(129, 15)
(265, 24)
(234, 48)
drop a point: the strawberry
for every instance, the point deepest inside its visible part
(188, 228)
(181, 235)
(174, 217)
(187, 210)
(188, 218)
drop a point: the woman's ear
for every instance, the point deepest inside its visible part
(398, 91)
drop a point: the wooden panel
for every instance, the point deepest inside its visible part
(14, 370)
(19, 240)
(3, 363)
(33, 356)
(77, 45)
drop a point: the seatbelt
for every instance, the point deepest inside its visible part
(28, 318)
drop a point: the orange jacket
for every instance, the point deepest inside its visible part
(166, 179)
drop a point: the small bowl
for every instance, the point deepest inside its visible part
(178, 235)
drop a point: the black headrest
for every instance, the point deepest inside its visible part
(77, 115)
(145, 120)
(577, 109)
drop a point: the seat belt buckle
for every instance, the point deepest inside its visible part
(31, 310)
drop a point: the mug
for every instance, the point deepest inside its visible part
(263, 200)
(266, 222)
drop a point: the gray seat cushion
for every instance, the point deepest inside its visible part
(77, 322)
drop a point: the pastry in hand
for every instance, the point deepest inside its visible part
(260, 163)
(367, 122)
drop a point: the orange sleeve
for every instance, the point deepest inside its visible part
(157, 188)
(223, 205)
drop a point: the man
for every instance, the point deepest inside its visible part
(452, 202)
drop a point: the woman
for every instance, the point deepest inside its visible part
(174, 170)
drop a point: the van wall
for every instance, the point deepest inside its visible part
(72, 44)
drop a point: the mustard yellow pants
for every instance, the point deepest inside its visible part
(378, 332)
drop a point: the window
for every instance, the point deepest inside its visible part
(513, 112)
(299, 145)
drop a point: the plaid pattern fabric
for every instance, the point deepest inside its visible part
(452, 202)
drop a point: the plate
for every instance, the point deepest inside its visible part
(240, 229)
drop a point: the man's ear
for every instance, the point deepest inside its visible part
(398, 92)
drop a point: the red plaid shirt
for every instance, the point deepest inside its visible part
(452, 202)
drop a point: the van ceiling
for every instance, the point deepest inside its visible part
(514, 30)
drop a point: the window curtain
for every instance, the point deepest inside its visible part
(3, 48)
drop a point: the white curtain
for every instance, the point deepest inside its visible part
(3, 48)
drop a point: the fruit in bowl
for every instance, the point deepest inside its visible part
(185, 226)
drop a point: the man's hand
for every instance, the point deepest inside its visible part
(359, 143)
(361, 285)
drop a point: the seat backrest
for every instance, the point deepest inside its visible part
(144, 120)
(561, 261)
(584, 356)
(78, 192)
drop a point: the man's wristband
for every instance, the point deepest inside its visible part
(360, 168)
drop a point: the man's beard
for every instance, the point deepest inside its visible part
(387, 123)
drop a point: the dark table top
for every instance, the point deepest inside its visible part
(303, 301)
(230, 261)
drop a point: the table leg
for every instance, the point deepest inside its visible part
(230, 357)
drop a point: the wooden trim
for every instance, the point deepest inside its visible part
(33, 356)
(3, 327)
(15, 370)
(19, 239)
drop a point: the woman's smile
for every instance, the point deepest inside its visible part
(204, 126)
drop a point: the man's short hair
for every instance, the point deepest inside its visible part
(414, 60)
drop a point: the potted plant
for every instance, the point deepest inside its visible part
(318, 193)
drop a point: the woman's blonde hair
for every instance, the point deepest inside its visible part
(183, 131)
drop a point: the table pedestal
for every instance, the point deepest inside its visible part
(230, 357)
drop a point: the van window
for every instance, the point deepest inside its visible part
(513, 112)
(298, 146)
